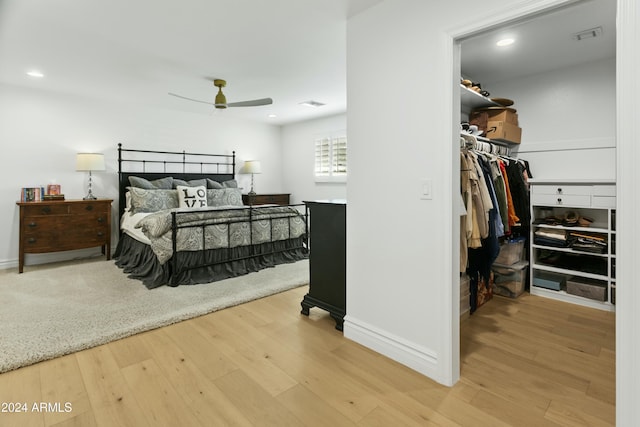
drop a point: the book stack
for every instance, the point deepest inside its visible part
(54, 192)
(31, 194)
(38, 194)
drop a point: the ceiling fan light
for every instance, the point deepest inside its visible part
(221, 100)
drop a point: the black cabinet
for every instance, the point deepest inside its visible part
(327, 258)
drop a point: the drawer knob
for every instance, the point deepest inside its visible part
(559, 190)
(32, 224)
(46, 210)
(89, 207)
(100, 219)
(100, 234)
(559, 200)
(32, 240)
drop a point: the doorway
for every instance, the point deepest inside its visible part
(504, 77)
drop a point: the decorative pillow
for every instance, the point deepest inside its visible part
(192, 183)
(165, 183)
(213, 184)
(232, 183)
(143, 200)
(224, 197)
(192, 197)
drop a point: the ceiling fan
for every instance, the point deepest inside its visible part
(221, 100)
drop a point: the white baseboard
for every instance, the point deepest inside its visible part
(35, 259)
(418, 358)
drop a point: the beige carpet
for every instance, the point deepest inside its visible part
(55, 309)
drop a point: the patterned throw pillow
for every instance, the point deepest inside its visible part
(192, 197)
(192, 183)
(152, 200)
(161, 183)
(224, 197)
(211, 184)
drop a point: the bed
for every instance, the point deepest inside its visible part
(182, 221)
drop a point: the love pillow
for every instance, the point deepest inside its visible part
(192, 197)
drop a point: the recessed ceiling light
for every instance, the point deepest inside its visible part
(505, 42)
(312, 103)
(35, 73)
(272, 116)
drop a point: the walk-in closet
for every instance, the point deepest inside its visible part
(540, 93)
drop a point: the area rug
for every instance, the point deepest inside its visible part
(56, 309)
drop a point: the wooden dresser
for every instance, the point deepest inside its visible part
(327, 259)
(266, 199)
(53, 226)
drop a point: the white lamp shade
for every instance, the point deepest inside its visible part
(252, 166)
(90, 162)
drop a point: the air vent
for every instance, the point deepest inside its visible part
(588, 34)
(312, 103)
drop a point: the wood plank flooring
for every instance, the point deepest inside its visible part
(525, 362)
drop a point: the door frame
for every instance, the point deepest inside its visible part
(627, 177)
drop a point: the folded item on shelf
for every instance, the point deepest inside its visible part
(544, 241)
(551, 233)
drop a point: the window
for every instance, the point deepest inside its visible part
(331, 158)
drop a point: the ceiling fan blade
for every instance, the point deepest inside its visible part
(254, 103)
(190, 99)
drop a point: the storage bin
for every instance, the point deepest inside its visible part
(548, 280)
(587, 288)
(504, 131)
(510, 252)
(509, 280)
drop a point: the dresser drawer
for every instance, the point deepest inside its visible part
(561, 200)
(562, 189)
(266, 199)
(61, 233)
(48, 209)
(88, 207)
(603, 202)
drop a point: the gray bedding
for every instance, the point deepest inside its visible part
(223, 227)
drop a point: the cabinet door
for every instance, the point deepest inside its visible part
(328, 253)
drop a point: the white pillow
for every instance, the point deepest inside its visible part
(192, 197)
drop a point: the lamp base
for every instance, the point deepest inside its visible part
(89, 197)
(251, 193)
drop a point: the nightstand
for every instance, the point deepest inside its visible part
(64, 225)
(266, 199)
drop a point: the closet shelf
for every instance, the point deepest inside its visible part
(595, 199)
(472, 99)
(570, 250)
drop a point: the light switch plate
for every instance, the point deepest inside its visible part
(426, 189)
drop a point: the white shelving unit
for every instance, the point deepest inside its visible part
(592, 199)
(470, 99)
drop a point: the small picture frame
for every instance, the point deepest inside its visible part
(53, 190)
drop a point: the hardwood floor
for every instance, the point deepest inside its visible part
(524, 362)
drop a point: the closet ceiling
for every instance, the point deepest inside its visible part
(542, 43)
(291, 50)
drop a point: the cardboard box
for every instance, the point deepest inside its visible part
(508, 115)
(509, 281)
(587, 288)
(548, 280)
(504, 131)
(510, 252)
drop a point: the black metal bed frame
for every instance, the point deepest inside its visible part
(227, 174)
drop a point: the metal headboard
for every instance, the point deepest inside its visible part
(151, 164)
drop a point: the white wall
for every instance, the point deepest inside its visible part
(400, 277)
(568, 120)
(298, 155)
(400, 281)
(41, 133)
